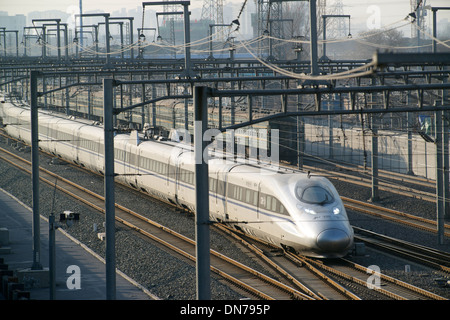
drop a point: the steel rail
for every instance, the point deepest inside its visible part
(261, 254)
(397, 282)
(99, 206)
(437, 259)
(393, 215)
(306, 263)
(310, 264)
(362, 281)
(297, 261)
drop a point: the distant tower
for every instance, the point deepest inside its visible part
(337, 27)
(321, 10)
(268, 11)
(213, 10)
(169, 20)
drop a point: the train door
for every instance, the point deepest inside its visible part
(100, 161)
(130, 164)
(183, 181)
(101, 156)
(172, 177)
(76, 138)
(220, 199)
(176, 188)
(232, 194)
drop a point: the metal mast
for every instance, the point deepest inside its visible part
(213, 10)
(337, 28)
(321, 10)
(212, 13)
(170, 21)
(266, 11)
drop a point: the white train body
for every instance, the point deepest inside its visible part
(291, 210)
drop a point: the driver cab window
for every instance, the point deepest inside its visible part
(314, 195)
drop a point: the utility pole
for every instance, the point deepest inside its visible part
(106, 16)
(187, 73)
(201, 194)
(35, 171)
(439, 178)
(435, 10)
(313, 37)
(81, 23)
(109, 189)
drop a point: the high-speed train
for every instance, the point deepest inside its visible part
(296, 211)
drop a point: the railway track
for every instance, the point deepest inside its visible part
(433, 258)
(268, 288)
(254, 282)
(339, 278)
(394, 215)
(388, 287)
(304, 276)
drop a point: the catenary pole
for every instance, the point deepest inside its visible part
(35, 171)
(201, 195)
(109, 189)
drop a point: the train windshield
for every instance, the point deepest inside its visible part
(314, 195)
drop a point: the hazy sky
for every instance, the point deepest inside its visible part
(362, 12)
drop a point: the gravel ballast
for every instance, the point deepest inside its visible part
(171, 277)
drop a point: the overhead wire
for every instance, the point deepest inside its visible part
(244, 44)
(341, 75)
(421, 30)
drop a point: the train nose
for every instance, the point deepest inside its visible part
(333, 240)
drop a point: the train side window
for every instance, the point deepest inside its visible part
(262, 201)
(220, 187)
(255, 198)
(268, 202)
(212, 184)
(283, 210)
(158, 166)
(274, 205)
(248, 195)
(230, 191)
(241, 194)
